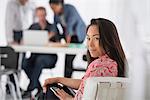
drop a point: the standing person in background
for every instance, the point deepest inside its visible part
(33, 66)
(17, 19)
(18, 13)
(74, 29)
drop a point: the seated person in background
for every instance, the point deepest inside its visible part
(105, 57)
(34, 65)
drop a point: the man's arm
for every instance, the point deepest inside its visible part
(9, 20)
(72, 21)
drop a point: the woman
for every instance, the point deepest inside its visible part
(105, 57)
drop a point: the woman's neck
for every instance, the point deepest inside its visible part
(102, 53)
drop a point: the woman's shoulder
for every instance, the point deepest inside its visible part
(104, 60)
(103, 66)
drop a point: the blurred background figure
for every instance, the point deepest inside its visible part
(71, 25)
(33, 66)
(19, 16)
(67, 16)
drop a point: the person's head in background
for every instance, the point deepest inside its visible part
(23, 2)
(57, 6)
(102, 38)
(40, 13)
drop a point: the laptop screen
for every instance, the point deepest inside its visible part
(35, 37)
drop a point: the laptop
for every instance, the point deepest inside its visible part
(35, 37)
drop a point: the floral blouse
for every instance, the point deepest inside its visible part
(101, 67)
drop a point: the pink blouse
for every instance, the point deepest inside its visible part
(101, 67)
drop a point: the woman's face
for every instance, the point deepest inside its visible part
(93, 44)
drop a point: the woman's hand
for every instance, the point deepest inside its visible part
(62, 95)
(47, 82)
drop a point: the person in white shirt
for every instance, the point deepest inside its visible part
(17, 18)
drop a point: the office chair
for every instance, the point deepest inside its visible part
(8, 59)
(106, 88)
(79, 66)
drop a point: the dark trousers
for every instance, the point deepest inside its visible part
(34, 65)
(50, 95)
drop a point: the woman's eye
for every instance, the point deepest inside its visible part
(96, 38)
(93, 38)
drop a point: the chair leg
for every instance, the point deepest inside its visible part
(3, 81)
(12, 89)
(17, 86)
(2, 91)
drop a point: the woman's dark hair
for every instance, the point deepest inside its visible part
(109, 41)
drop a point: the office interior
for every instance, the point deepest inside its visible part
(132, 19)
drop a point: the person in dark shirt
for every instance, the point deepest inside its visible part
(34, 65)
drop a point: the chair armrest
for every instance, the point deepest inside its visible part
(91, 85)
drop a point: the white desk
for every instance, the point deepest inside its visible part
(48, 49)
(56, 49)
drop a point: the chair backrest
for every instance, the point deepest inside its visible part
(79, 69)
(8, 57)
(105, 88)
